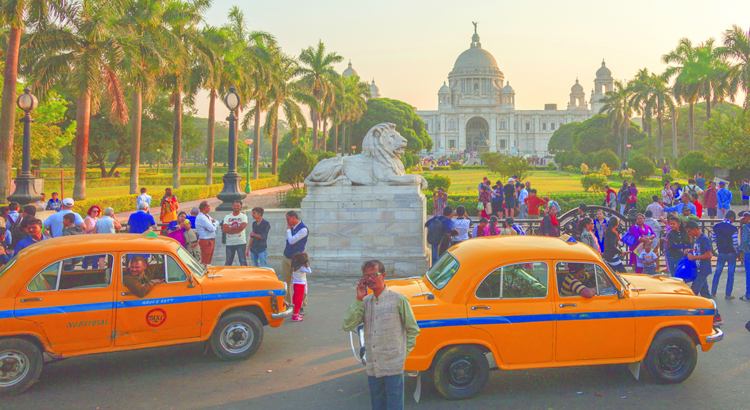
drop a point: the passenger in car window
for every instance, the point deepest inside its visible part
(573, 283)
(140, 280)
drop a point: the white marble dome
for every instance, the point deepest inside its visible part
(444, 89)
(603, 71)
(374, 90)
(350, 71)
(577, 88)
(475, 57)
(508, 89)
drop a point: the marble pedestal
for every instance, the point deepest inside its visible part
(351, 224)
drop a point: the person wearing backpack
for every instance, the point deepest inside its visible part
(694, 190)
(745, 190)
(440, 230)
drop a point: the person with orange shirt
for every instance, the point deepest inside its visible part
(533, 203)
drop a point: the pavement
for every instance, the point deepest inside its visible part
(309, 365)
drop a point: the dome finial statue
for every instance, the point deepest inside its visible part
(475, 26)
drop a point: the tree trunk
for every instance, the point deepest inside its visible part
(343, 139)
(325, 126)
(661, 136)
(313, 117)
(8, 113)
(691, 127)
(336, 139)
(708, 112)
(210, 137)
(177, 139)
(102, 167)
(275, 145)
(83, 120)
(136, 113)
(674, 134)
(256, 144)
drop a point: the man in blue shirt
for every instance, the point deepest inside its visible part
(745, 191)
(685, 201)
(725, 236)
(34, 228)
(700, 181)
(54, 222)
(702, 255)
(724, 196)
(446, 232)
(141, 221)
(744, 248)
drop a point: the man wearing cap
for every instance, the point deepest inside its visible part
(53, 225)
(573, 283)
(744, 250)
(141, 221)
(724, 197)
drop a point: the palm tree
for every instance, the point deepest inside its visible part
(616, 104)
(354, 104)
(317, 75)
(737, 47)
(16, 15)
(659, 99)
(184, 18)
(685, 84)
(83, 54)
(141, 63)
(711, 75)
(642, 90)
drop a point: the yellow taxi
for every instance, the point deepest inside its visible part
(68, 297)
(506, 296)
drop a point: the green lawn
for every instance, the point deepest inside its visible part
(466, 181)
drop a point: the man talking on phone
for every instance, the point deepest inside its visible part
(390, 334)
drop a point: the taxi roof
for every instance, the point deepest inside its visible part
(97, 243)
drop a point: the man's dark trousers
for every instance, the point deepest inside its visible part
(387, 392)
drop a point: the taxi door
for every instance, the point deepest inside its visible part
(171, 311)
(602, 327)
(72, 301)
(513, 305)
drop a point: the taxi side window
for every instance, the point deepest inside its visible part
(159, 266)
(94, 271)
(517, 281)
(604, 285)
(175, 273)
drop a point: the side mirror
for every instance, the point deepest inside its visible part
(191, 284)
(621, 294)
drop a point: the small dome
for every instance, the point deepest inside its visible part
(350, 71)
(576, 88)
(374, 90)
(444, 89)
(508, 89)
(603, 71)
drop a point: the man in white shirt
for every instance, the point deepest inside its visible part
(296, 238)
(234, 227)
(206, 228)
(143, 198)
(656, 209)
(42, 203)
(522, 207)
(53, 225)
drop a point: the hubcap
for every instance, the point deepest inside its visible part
(671, 358)
(14, 366)
(236, 338)
(461, 372)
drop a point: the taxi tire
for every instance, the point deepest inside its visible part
(35, 364)
(253, 324)
(671, 339)
(450, 357)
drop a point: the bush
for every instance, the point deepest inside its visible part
(571, 168)
(642, 166)
(435, 181)
(577, 161)
(560, 158)
(589, 158)
(584, 169)
(456, 166)
(604, 170)
(551, 166)
(694, 162)
(594, 182)
(292, 198)
(666, 178)
(296, 167)
(324, 155)
(607, 156)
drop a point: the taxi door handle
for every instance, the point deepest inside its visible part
(31, 300)
(564, 305)
(480, 307)
(125, 293)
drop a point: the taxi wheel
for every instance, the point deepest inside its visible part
(672, 356)
(20, 365)
(460, 372)
(237, 336)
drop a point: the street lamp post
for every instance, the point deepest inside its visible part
(231, 191)
(249, 143)
(25, 193)
(158, 158)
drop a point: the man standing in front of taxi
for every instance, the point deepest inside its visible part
(390, 335)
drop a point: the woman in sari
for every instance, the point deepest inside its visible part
(486, 200)
(641, 233)
(175, 230)
(611, 253)
(169, 207)
(600, 227)
(439, 202)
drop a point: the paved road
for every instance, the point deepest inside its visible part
(309, 365)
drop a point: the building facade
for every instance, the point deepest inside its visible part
(476, 109)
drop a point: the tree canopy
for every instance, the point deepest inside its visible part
(408, 124)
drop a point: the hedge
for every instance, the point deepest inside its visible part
(126, 203)
(54, 185)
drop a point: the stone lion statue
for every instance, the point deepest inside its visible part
(379, 163)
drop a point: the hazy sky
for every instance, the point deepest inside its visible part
(541, 46)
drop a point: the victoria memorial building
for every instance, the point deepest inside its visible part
(476, 109)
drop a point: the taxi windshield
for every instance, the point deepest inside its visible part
(442, 271)
(197, 268)
(7, 266)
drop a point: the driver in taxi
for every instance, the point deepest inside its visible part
(573, 283)
(141, 280)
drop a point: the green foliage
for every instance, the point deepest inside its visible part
(562, 139)
(410, 160)
(292, 198)
(588, 159)
(408, 124)
(584, 169)
(456, 166)
(576, 163)
(321, 155)
(435, 181)
(594, 182)
(642, 166)
(667, 178)
(551, 166)
(697, 161)
(607, 156)
(506, 165)
(571, 168)
(718, 111)
(296, 167)
(730, 139)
